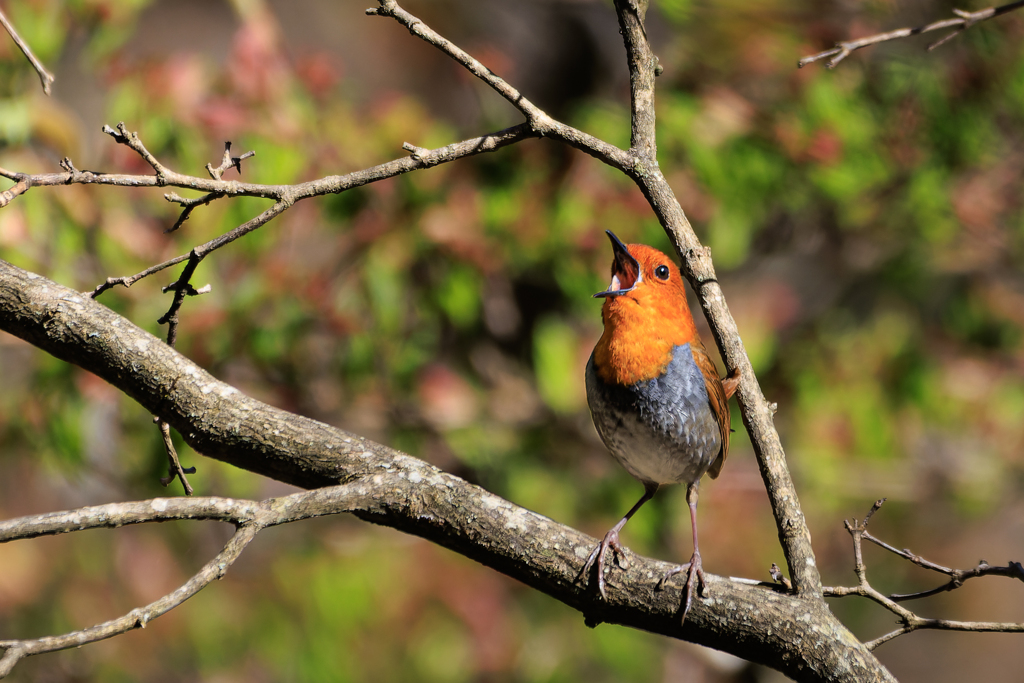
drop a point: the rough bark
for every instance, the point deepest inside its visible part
(795, 634)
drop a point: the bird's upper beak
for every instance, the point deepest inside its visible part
(625, 269)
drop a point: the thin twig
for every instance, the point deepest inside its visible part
(284, 194)
(182, 287)
(174, 468)
(189, 206)
(227, 162)
(911, 621)
(137, 618)
(538, 121)
(130, 139)
(130, 280)
(45, 77)
(957, 576)
(249, 516)
(962, 22)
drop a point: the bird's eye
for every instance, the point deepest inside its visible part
(661, 272)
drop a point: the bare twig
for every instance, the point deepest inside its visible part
(312, 188)
(779, 577)
(130, 280)
(125, 137)
(962, 22)
(182, 287)
(189, 206)
(20, 187)
(250, 517)
(285, 195)
(174, 468)
(137, 618)
(1012, 570)
(228, 161)
(45, 77)
(538, 122)
(912, 622)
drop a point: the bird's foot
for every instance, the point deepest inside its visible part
(611, 540)
(694, 580)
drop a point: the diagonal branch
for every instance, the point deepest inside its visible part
(174, 468)
(137, 618)
(45, 77)
(537, 120)
(962, 22)
(797, 636)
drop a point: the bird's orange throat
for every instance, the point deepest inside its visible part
(639, 335)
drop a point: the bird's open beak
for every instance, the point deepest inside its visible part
(625, 269)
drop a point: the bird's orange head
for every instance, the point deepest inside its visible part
(645, 315)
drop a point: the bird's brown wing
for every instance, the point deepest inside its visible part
(719, 402)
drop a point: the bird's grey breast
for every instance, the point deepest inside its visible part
(663, 429)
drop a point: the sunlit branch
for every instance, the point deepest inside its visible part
(538, 121)
(45, 77)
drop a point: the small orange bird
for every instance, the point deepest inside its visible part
(654, 394)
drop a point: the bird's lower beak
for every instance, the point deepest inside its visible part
(625, 269)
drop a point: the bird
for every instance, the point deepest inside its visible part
(655, 396)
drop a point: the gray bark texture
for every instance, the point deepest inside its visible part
(795, 634)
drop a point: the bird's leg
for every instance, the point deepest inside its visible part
(611, 540)
(694, 570)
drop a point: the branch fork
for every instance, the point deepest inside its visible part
(544, 554)
(858, 530)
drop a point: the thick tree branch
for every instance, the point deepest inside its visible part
(797, 635)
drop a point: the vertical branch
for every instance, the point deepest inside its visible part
(642, 64)
(758, 416)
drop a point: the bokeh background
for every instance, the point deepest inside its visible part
(866, 224)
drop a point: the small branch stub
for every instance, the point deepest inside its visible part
(228, 161)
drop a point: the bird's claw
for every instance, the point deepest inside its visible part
(611, 540)
(694, 580)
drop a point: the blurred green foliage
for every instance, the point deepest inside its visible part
(866, 226)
